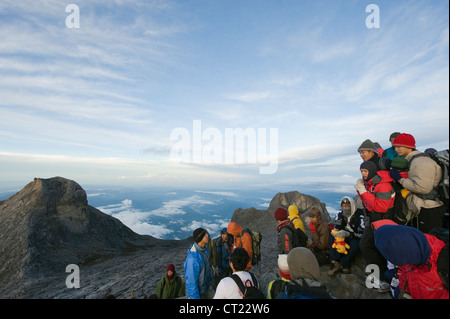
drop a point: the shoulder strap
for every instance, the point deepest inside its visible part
(239, 283)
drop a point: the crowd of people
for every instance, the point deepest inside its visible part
(406, 251)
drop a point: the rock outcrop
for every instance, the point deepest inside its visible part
(49, 225)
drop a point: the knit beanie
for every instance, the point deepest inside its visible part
(172, 268)
(367, 145)
(405, 140)
(400, 163)
(371, 167)
(394, 135)
(303, 264)
(281, 213)
(283, 266)
(199, 233)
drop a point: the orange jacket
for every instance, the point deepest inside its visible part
(244, 241)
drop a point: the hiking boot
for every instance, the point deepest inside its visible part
(384, 287)
(336, 268)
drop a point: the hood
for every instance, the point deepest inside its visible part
(303, 264)
(402, 245)
(234, 229)
(352, 204)
(293, 211)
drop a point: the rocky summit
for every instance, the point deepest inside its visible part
(49, 225)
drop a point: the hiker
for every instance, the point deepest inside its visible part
(197, 270)
(423, 177)
(368, 152)
(378, 196)
(295, 217)
(242, 239)
(320, 233)
(228, 288)
(170, 286)
(304, 271)
(288, 236)
(415, 256)
(379, 149)
(349, 223)
(276, 286)
(224, 246)
(390, 152)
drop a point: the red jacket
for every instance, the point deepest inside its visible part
(424, 281)
(380, 194)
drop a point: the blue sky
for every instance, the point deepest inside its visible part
(98, 103)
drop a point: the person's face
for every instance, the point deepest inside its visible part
(366, 155)
(364, 173)
(402, 151)
(205, 239)
(169, 273)
(346, 205)
(224, 236)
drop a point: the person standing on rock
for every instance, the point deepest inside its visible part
(368, 152)
(170, 286)
(378, 196)
(242, 239)
(197, 269)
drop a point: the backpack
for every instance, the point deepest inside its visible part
(299, 238)
(256, 244)
(442, 261)
(442, 190)
(293, 290)
(399, 213)
(248, 290)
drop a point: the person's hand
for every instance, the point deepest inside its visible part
(359, 186)
(395, 174)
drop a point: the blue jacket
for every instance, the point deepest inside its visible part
(197, 271)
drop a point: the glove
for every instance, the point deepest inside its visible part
(361, 189)
(395, 174)
(343, 234)
(312, 228)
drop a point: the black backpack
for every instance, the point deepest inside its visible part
(249, 290)
(442, 261)
(293, 290)
(399, 213)
(299, 238)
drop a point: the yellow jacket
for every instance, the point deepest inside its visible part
(293, 213)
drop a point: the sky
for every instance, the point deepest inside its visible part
(145, 93)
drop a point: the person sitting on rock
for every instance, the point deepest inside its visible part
(288, 236)
(349, 223)
(295, 217)
(320, 233)
(304, 271)
(170, 286)
(276, 286)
